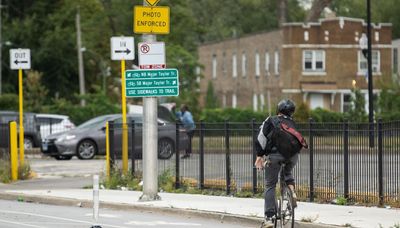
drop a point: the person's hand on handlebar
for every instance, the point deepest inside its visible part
(259, 164)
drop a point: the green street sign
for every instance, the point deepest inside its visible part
(152, 83)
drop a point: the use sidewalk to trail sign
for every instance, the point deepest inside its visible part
(152, 83)
(153, 20)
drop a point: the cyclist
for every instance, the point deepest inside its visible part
(266, 147)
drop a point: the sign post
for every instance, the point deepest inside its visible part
(20, 59)
(122, 48)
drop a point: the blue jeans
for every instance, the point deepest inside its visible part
(272, 168)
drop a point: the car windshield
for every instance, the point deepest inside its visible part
(94, 122)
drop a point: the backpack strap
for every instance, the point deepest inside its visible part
(296, 134)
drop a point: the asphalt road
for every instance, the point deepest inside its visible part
(20, 214)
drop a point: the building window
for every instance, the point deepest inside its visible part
(244, 64)
(395, 60)
(255, 102)
(262, 102)
(257, 64)
(314, 61)
(234, 66)
(224, 101)
(346, 102)
(276, 61)
(198, 72)
(234, 101)
(363, 63)
(306, 36)
(214, 66)
(267, 62)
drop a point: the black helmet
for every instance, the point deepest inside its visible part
(286, 107)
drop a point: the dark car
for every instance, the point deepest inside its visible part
(89, 138)
(32, 136)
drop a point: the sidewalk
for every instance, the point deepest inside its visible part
(322, 214)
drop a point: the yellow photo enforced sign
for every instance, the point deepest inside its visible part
(153, 20)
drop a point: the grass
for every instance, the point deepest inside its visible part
(24, 171)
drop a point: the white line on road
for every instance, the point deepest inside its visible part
(157, 223)
(53, 217)
(103, 215)
(20, 224)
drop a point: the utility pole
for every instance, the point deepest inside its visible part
(150, 142)
(80, 58)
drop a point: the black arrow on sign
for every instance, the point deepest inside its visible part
(16, 61)
(127, 51)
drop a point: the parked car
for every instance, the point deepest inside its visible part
(163, 112)
(32, 136)
(52, 123)
(89, 139)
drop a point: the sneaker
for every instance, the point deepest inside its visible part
(267, 223)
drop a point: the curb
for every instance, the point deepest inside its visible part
(222, 217)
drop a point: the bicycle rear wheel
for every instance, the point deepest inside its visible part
(286, 208)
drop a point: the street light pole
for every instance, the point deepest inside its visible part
(1, 50)
(370, 80)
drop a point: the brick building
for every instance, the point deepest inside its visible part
(314, 63)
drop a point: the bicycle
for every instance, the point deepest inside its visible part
(284, 216)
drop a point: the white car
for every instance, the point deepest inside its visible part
(52, 123)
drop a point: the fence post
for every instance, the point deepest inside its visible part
(228, 159)
(177, 164)
(380, 160)
(346, 157)
(201, 144)
(311, 146)
(254, 135)
(133, 147)
(108, 150)
(112, 150)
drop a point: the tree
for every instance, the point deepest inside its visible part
(211, 99)
(317, 8)
(357, 111)
(35, 94)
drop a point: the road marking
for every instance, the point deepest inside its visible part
(103, 215)
(20, 224)
(54, 217)
(156, 223)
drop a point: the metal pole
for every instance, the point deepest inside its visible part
(124, 125)
(21, 120)
(227, 159)
(133, 148)
(177, 162)
(346, 158)
(1, 50)
(202, 134)
(380, 161)
(311, 146)
(370, 80)
(80, 58)
(254, 135)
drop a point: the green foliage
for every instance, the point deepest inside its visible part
(166, 181)
(234, 115)
(9, 102)
(389, 103)
(341, 201)
(24, 171)
(34, 92)
(357, 112)
(302, 113)
(117, 181)
(5, 170)
(96, 104)
(322, 115)
(211, 98)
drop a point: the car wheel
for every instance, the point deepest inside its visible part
(28, 143)
(62, 157)
(86, 150)
(166, 148)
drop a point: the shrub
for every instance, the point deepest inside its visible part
(9, 102)
(322, 115)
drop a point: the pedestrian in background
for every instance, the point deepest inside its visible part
(187, 120)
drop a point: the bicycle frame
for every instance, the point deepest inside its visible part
(285, 209)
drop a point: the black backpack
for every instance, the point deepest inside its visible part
(285, 138)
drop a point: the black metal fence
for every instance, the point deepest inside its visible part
(338, 163)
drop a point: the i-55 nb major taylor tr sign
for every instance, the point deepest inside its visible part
(152, 83)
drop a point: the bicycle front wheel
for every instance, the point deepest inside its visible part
(287, 209)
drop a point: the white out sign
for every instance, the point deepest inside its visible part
(122, 48)
(152, 55)
(20, 59)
